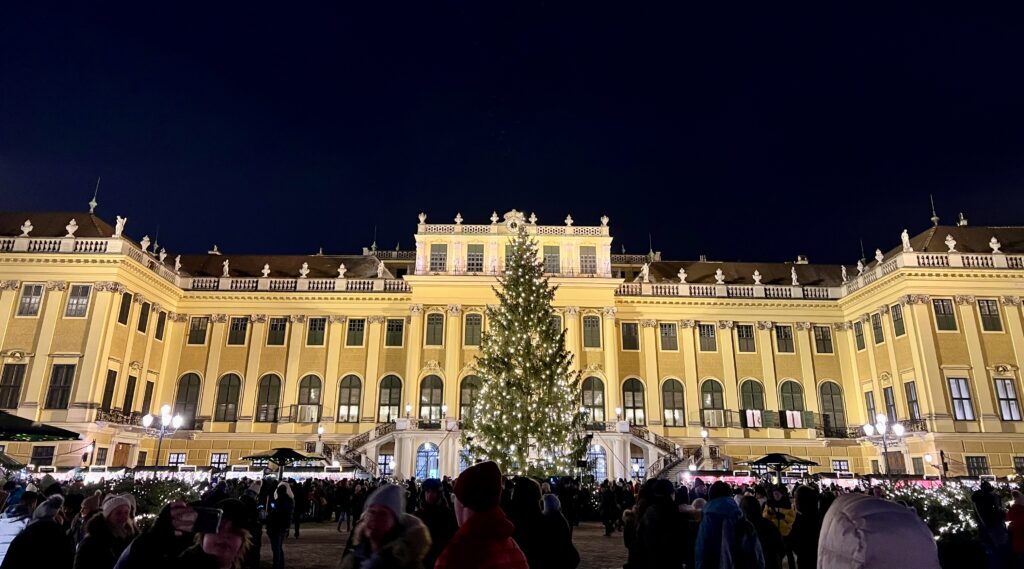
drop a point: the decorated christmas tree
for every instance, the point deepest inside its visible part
(526, 416)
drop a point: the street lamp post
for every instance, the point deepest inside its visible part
(881, 430)
(168, 425)
(319, 439)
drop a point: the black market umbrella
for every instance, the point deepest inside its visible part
(283, 457)
(9, 463)
(15, 428)
(781, 461)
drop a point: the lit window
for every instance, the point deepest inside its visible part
(438, 257)
(78, 301)
(961, 394)
(475, 258)
(1009, 408)
(31, 297)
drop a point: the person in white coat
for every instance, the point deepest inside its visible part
(864, 532)
(13, 522)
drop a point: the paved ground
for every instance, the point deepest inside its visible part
(320, 547)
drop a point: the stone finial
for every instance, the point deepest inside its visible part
(26, 228)
(144, 243)
(878, 255)
(533, 218)
(458, 218)
(177, 264)
(757, 277)
(719, 276)
(266, 270)
(995, 245)
(951, 243)
(71, 228)
(163, 254)
(304, 271)
(119, 225)
(423, 217)
(494, 218)
(380, 269)
(860, 268)
(604, 221)
(792, 276)
(227, 268)
(843, 267)
(682, 275)
(645, 273)
(905, 239)
(568, 220)
(214, 251)
(341, 271)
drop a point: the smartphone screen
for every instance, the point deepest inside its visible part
(207, 520)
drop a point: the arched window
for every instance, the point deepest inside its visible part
(712, 403)
(593, 399)
(791, 396)
(431, 392)
(597, 463)
(833, 414)
(227, 398)
(633, 401)
(268, 397)
(752, 395)
(428, 461)
(309, 400)
(467, 396)
(672, 399)
(186, 401)
(390, 399)
(349, 392)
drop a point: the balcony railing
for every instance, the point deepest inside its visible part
(119, 417)
(300, 414)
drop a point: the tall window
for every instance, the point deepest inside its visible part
(227, 398)
(752, 395)
(669, 341)
(890, 404)
(708, 340)
(745, 338)
(147, 396)
(197, 330)
(475, 258)
(435, 329)
(474, 329)
(108, 390)
(876, 328)
(593, 399)
(276, 331)
(161, 325)
(268, 397)
(431, 396)
(556, 323)
(898, 325)
(59, 394)
(468, 391)
(315, 329)
(390, 399)
(438, 257)
(833, 414)
(858, 333)
(186, 401)
(1009, 408)
(913, 407)
(552, 263)
(823, 339)
(597, 463)
(633, 401)
(129, 394)
(977, 465)
(784, 339)
(10, 385)
(394, 332)
(588, 260)
(356, 331)
(712, 403)
(31, 298)
(945, 319)
(309, 390)
(176, 459)
(960, 392)
(428, 461)
(989, 310)
(630, 336)
(591, 331)
(791, 412)
(219, 460)
(42, 455)
(78, 301)
(672, 400)
(125, 309)
(869, 405)
(236, 331)
(144, 317)
(349, 394)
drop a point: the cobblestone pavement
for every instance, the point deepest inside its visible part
(320, 547)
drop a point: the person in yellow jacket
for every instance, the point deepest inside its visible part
(780, 512)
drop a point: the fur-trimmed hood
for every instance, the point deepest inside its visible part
(405, 551)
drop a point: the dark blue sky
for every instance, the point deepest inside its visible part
(741, 133)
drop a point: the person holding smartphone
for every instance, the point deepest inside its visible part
(279, 520)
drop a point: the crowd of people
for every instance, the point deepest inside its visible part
(483, 519)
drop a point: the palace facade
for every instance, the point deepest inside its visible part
(371, 356)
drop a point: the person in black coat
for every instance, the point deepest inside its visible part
(282, 511)
(43, 543)
(608, 509)
(803, 538)
(524, 513)
(662, 531)
(771, 540)
(438, 517)
(560, 552)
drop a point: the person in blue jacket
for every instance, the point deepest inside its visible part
(725, 538)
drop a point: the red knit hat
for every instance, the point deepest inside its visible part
(479, 486)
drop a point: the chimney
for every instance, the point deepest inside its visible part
(801, 259)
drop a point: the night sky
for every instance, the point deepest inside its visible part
(740, 134)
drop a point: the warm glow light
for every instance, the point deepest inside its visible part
(692, 467)
(703, 433)
(335, 463)
(444, 410)
(881, 427)
(881, 418)
(89, 448)
(165, 410)
(869, 429)
(897, 429)
(147, 420)
(320, 430)
(928, 458)
(165, 420)
(177, 421)
(618, 411)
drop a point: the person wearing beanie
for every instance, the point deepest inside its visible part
(864, 532)
(279, 520)
(438, 516)
(90, 507)
(484, 539)
(386, 537)
(107, 534)
(44, 542)
(15, 520)
(560, 552)
(251, 499)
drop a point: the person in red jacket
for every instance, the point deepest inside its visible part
(484, 539)
(1015, 516)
